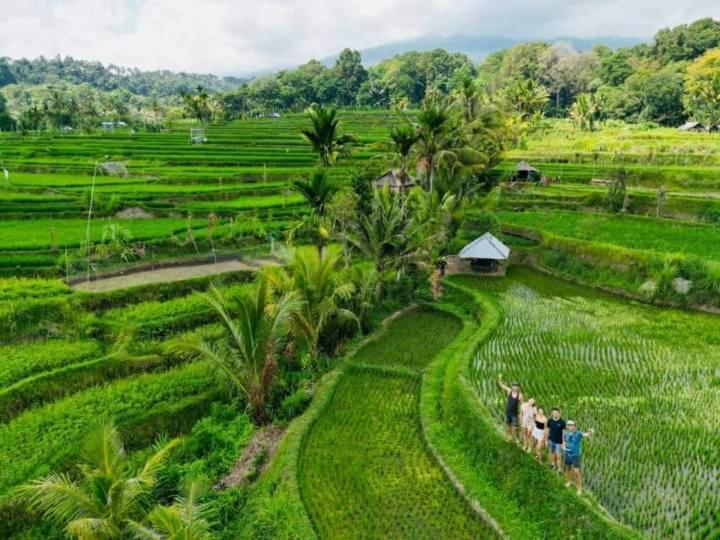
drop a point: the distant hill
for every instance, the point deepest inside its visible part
(477, 47)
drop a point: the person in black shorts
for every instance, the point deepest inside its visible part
(554, 434)
(512, 409)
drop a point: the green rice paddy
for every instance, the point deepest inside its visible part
(646, 379)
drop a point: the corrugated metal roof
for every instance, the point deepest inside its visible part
(485, 247)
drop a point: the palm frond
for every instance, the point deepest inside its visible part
(59, 498)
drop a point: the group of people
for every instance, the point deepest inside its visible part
(527, 424)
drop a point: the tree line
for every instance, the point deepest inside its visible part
(672, 79)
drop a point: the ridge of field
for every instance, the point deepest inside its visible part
(364, 469)
(651, 156)
(643, 377)
(633, 232)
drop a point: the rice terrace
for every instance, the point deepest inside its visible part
(457, 285)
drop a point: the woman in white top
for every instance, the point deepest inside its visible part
(527, 415)
(539, 433)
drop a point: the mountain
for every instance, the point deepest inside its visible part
(477, 47)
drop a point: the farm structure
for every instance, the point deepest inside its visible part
(485, 254)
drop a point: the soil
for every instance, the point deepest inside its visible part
(166, 275)
(246, 468)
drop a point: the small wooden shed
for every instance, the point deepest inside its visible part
(486, 253)
(396, 180)
(524, 171)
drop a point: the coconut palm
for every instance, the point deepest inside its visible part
(317, 191)
(185, 519)
(324, 135)
(527, 98)
(247, 357)
(109, 494)
(433, 126)
(381, 235)
(584, 111)
(403, 138)
(429, 225)
(323, 294)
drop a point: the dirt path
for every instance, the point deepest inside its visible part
(166, 275)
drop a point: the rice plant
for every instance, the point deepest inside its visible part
(645, 378)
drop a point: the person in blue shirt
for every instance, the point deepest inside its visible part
(572, 446)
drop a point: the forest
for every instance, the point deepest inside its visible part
(667, 81)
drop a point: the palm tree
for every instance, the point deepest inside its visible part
(109, 494)
(527, 98)
(584, 111)
(247, 358)
(381, 235)
(403, 138)
(430, 218)
(313, 278)
(317, 191)
(436, 135)
(185, 519)
(324, 136)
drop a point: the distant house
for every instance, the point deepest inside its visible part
(525, 172)
(396, 180)
(108, 126)
(697, 126)
(485, 253)
(692, 126)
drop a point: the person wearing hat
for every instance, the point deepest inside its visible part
(572, 445)
(512, 409)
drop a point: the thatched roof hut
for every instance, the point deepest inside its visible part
(524, 171)
(396, 180)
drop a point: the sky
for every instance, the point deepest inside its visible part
(234, 37)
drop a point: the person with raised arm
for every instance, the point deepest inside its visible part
(572, 445)
(512, 409)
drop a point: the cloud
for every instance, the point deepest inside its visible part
(238, 36)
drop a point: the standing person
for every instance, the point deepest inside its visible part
(555, 428)
(512, 409)
(442, 264)
(572, 444)
(539, 433)
(527, 415)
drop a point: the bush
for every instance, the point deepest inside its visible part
(294, 404)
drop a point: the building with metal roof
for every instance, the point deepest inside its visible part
(485, 253)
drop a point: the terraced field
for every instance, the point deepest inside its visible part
(241, 174)
(651, 157)
(646, 379)
(365, 471)
(668, 236)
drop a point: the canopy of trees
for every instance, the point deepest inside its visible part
(667, 82)
(107, 78)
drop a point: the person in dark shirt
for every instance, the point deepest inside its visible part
(442, 265)
(554, 434)
(512, 409)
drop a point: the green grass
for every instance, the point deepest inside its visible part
(36, 233)
(41, 440)
(651, 157)
(646, 379)
(400, 347)
(19, 362)
(634, 232)
(364, 469)
(365, 472)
